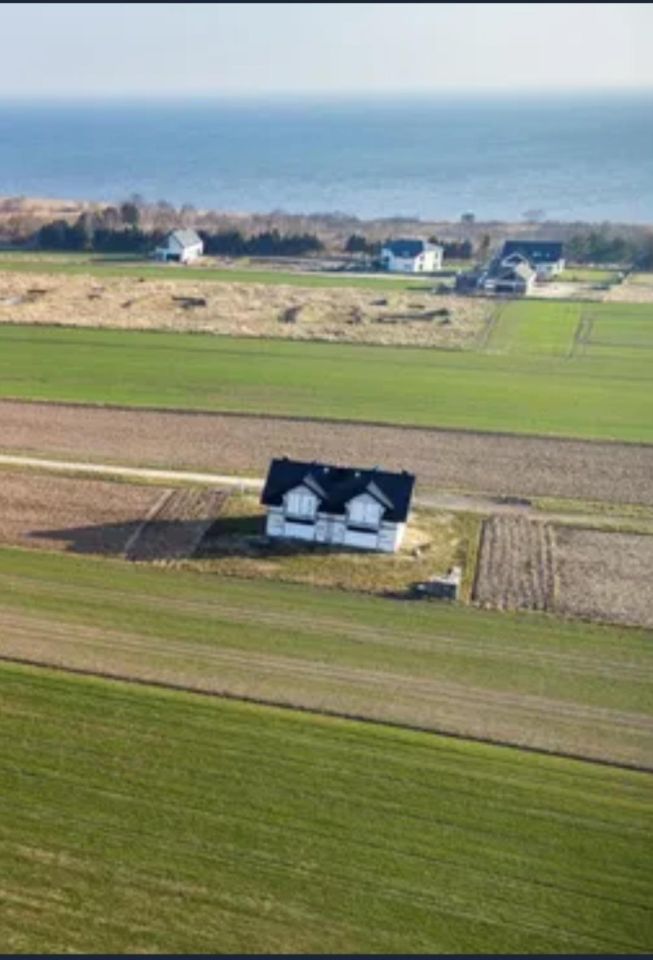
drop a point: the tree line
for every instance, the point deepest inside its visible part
(598, 246)
(119, 230)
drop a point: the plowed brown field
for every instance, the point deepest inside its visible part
(476, 462)
(61, 513)
(605, 575)
(516, 566)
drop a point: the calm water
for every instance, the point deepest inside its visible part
(574, 158)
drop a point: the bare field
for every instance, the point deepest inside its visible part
(597, 575)
(516, 568)
(484, 463)
(61, 513)
(417, 318)
(605, 575)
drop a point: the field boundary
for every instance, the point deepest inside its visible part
(320, 712)
(289, 418)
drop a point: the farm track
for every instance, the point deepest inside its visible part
(492, 464)
(379, 696)
(516, 565)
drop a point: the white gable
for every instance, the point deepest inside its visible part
(365, 509)
(300, 501)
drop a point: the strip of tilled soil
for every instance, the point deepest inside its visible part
(606, 575)
(62, 513)
(516, 568)
(476, 462)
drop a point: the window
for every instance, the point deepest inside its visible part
(300, 504)
(364, 512)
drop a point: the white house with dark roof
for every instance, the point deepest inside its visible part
(513, 274)
(545, 256)
(180, 246)
(411, 256)
(343, 506)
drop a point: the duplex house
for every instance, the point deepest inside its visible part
(180, 246)
(411, 256)
(344, 506)
(545, 256)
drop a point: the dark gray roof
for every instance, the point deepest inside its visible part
(537, 251)
(336, 486)
(187, 238)
(407, 249)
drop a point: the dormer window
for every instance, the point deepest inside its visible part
(365, 512)
(300, 503)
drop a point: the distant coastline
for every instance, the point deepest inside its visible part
(561, 159)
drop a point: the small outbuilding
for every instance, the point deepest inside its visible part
(180, 246)
(411, 256)
(342, 506)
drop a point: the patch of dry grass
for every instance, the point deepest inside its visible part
(243, 309)
(236, 546)
(636, 288)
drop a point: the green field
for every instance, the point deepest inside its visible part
(529, 376)
(557, 685)
(140, 821)
(588, 275)
(78, 265)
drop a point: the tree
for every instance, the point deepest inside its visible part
(130, 214)
(356, 244)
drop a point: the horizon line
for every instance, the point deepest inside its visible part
(441, 94)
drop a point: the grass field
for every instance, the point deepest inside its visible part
(114, 267)
(588, 275)
(141, 821)
(525, 679)
(529, 376)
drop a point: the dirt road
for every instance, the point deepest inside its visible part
(492, 464)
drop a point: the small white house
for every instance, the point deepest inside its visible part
(180, 246)
(545, 256)
(411, 256)
(343, 506)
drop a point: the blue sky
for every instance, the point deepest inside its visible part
(226, 49)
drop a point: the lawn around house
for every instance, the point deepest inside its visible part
(529, 680)
(543, 369)
(140, 821)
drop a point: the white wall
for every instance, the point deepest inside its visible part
(428, 262)
(334, 530)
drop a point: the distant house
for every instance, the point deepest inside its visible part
(180, 246)
(512, 275)
(344, 506)
(545, 256)
(411, 256)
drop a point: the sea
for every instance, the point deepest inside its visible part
(572, 157)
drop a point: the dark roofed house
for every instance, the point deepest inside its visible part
(344, 506)
(509, 275)
(411, 256)
(545, 256)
